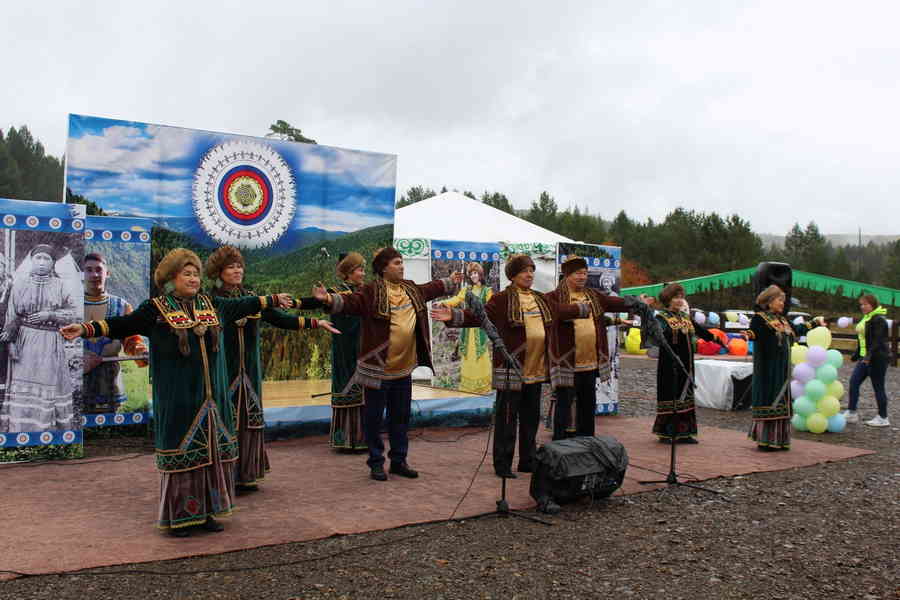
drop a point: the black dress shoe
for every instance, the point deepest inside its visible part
(181, 532)
(378, 473)
(212, 525)
(688, 440)
(663, 440)
(245, 488)
(403, 470)
(507, 474)
(525, 469)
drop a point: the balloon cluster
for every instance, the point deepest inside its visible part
(815, 387)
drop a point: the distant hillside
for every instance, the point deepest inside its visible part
(836, 239)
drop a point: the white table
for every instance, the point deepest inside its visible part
(714, 385)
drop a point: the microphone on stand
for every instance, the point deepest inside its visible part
(490, 330)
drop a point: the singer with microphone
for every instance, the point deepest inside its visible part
(523, 318)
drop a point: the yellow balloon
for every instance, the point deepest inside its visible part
(633, 342)
(798, 354)
(816, 423)
(828, 406)
(820, 336)
(731, 316)
(835, 389)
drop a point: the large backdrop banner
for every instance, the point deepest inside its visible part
(292, 208)
(462, 357)
(116, 280)
(41, 250)
(604, 275)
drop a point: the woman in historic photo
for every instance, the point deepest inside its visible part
(39, 395)
(474, 347)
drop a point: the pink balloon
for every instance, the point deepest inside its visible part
(816, 356)
(798, 388)
(804, 372)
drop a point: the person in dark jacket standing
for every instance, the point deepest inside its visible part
(872, 356)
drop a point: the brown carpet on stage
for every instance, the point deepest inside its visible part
(69, 516)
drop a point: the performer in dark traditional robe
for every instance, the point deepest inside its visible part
(394, 341)
(523, 318)
(225, 267)
(103, 390)
(196, 446)
(39, 394)
(347, 416)
(675, 416)
(579, 350)
(772, 335)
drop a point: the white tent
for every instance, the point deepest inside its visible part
(452, 216)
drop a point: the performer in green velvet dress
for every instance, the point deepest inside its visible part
(346, 398)
(195, 439)
(772, 335)
(225, 267)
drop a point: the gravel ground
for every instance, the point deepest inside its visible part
(825, 531)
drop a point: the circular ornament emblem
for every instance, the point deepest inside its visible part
(83, 421)
(126, 236)
(55, 223)
(119, 419)
(9, 220)
(137, 418)
(244, 194)
(68, 437)
(22, 439)
(106, 235)
(2, 440)
(32, 221)
(77, 224)
(144, 236)
(100, 420)
(46, 437)
(88, 234)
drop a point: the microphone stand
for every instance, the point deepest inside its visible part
(655, 331)
(477, 309)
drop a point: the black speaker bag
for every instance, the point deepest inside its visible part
(580, 466)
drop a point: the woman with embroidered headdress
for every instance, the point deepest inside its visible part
(675, 417)
(772, 335)
(194, 424)
(475, 370)
(39, 396)
(225, 267)
(347, 412)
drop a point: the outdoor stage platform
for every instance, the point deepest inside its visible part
(73, 515)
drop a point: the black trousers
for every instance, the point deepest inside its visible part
(584, 395)
(514, 410)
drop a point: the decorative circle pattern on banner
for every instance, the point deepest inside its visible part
(100, 420)
(144, 236)
(88, 234)
(119, 419)
(22, 439)
(106, 235)
(32, 221)
(126, 236)
(46, 437)
(2, 440)
(68, 437)
(55, 223)
(244, 194)
(137, 417)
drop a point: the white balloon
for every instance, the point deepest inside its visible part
(844, 322)
(798, 321)
(699, 318)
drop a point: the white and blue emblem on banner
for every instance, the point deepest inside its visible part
(244, 194)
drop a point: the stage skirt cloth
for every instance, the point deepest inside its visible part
(774, 433)
(188, 497)
(347, 422)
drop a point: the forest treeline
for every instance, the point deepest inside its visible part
(689, 243)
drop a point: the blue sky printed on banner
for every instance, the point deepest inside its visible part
(139, 169)
(452, 250)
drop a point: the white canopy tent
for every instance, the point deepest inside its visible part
(452, 216)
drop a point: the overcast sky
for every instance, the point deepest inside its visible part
(778, 111)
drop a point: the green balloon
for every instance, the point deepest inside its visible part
(834, 358)
(804, 406)
(799, 422)
(816, 423)
(826, 374)
(814, 389)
